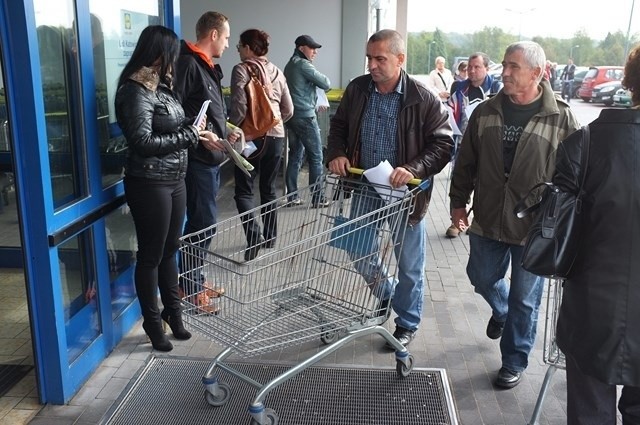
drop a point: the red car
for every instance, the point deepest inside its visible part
(598, 75)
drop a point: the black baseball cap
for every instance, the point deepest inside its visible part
(306, 40)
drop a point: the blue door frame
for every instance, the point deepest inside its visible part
(43, 228)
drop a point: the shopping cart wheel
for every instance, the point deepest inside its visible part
(220, 399)
(329, 334)
(271, 417)
(404, 366)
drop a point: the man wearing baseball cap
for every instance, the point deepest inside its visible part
(303, 130)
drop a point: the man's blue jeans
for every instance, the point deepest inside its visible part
(410, 240)
(515, 305)
(304, 135)
(202, 182)
(567, 90)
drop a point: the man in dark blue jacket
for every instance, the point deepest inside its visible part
(197, 80)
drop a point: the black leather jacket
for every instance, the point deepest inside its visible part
(153, 123)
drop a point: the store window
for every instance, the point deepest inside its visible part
(115, 28)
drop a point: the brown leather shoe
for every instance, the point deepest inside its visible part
(452, 232)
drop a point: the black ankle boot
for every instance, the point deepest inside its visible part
(175, 323)
(158, 338)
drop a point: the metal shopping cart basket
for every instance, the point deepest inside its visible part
(552, 354)
(317, 279)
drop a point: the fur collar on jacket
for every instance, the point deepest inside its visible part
(147, 76)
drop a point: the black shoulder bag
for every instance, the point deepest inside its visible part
(554, 236)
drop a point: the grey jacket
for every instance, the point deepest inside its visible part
(303, 78)
(479, 166)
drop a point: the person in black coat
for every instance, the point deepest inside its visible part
(158, 136)
(599, 322)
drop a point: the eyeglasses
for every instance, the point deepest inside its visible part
(239, 46)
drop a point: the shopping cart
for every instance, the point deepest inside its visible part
(552, 355)
(317, 279)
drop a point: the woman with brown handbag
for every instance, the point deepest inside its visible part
(266, 160)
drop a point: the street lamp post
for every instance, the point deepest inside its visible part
(429, 62)
(571, 51)
(520, 12)
(626, 45)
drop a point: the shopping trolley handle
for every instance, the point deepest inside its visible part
(414, 182)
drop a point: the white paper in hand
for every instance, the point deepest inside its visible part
(380, 175)
(202, 115)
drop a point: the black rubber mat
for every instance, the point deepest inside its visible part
(11, 374)
(170, 391)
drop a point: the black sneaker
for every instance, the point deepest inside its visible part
(403, 335)
(507, 378)
(494, 328)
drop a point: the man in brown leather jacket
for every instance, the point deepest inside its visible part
(387, 115)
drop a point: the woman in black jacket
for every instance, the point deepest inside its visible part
(158, 136)
(599, 321)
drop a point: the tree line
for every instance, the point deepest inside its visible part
(424, 47)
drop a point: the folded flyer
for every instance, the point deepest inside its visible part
(240, 162)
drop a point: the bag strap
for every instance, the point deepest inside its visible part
(584, 163)
(522, 210)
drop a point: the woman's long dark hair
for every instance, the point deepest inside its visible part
(155, 42)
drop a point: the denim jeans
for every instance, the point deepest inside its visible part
(567, 90)
(515, 305)
(202, 181)
(410, 249)
(304, 136)
(267, 166)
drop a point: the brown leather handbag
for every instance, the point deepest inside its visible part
(260, 117)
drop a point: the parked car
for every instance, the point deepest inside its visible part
(578, 75)
(598, 75)
(622, 98)
(603, 93)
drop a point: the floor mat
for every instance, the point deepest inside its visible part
(11, 374)
(170, 391)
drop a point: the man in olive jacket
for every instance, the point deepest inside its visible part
(508, 147)
(387, 115)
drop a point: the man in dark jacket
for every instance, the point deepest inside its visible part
(387, 115)
(508, 147)
(197, 80)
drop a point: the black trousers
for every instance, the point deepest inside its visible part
(267, 166)
(158, 209)
(592, 402)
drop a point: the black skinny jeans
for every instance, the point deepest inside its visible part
(158, 209)
(267, 165)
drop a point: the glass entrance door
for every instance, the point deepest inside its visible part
(16, 349)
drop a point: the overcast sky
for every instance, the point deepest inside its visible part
(552, 18)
